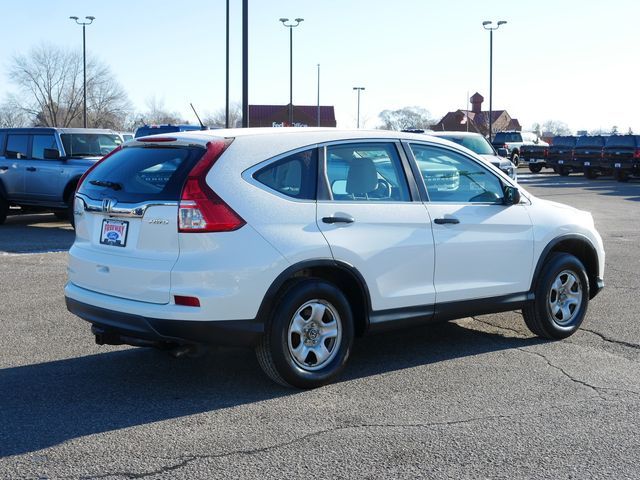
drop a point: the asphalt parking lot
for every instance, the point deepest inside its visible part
(475, 398)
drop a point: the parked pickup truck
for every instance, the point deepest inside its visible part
(560, 152)
(40, 167)
(535, 156)
(621, 157)
(514, 140)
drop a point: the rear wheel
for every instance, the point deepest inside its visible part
(590, 173)
(564, 171)
(308, 338)
(561, 298)
(535, 168)
(515, 159)
(4, 210)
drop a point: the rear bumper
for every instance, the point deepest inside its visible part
(138, 329)
(599, 285)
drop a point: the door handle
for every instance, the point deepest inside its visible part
(442, 221)
(31, 169)
(338, 219)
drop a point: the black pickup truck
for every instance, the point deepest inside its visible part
(535, 156)
(587, 155)
(561, 151)
(621, 157)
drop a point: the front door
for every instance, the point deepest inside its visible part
(483, 248)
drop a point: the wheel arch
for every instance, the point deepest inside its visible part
(346, 277)
(577, 245)
(70, 188)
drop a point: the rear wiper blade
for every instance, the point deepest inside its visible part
(106, 183)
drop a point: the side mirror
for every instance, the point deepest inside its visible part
(51, 154)
(503, 152)
(511, 195)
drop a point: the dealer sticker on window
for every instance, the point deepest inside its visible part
(114, 232)
(618, 165)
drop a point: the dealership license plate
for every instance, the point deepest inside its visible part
(114, 232)
(561, 162)
(587, 164)
(617, 165)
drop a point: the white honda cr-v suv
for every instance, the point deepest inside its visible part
(295, 241)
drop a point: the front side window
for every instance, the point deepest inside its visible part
(17, 146)
(366, 172)
(294, 176)
(452, 177)
(40, 142)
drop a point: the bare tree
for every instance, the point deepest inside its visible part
(556, 127)
(156, 114)
(12, 116)
(50, 91)
(407, 117)
(218, 118)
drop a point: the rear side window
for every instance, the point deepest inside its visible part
(294, 176)
(621, 141)
(587, 141)
(2, 137)
(17, 146)
(139, 174)
(40, 142)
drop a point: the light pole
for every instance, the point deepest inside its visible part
(359, 89)
(318, 94)
(84, 61)
(487, 24)
(291, 26)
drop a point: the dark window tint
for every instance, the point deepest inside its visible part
(621, 141)
(2, 138)
(40, 142)
(294, 176)
(587, 141)
(366, 172)
(564, 141)
(89, 144)
(451, 177)
(502, 137)
(477, 144)
(17, 146)
(137, 174)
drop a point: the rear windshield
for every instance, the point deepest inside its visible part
(477, 144)
(89, 144)
(139, 174)
(507, 137)
(595, 141)
(621, 141)
(564, 141)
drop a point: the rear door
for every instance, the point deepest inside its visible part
(372, 223)
(43, 177)
(126, 231)
(12, 166)
(483, 248)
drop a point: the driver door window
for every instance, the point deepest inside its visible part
(452, 177)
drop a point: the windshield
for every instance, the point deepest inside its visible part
(477, 144)
(89, 144)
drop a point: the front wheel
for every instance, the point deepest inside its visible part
(621, 176)
(590, 173)
(535, 168)
(515, 159)
(561, 298)
(4, 210)
(308, 338)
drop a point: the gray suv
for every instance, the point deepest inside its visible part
(40, 167)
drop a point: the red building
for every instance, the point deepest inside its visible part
(477, 120)
(303, 116)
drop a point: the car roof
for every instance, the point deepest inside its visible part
(443, 133)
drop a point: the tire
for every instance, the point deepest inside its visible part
(295, 327)
(4, 210)
(561, 298)
(564, 171)
(555, 169)
(535, 168)
(621, 176)
(590, 173)
(515, 159)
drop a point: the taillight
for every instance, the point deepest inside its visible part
(200, 209)
(545, 152)
(187, 301)
(84, 175)
(636, 154)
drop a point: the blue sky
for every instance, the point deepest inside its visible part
(572, 61)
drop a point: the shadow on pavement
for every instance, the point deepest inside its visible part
(35, 233)
(601, 185)
(45, 404)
